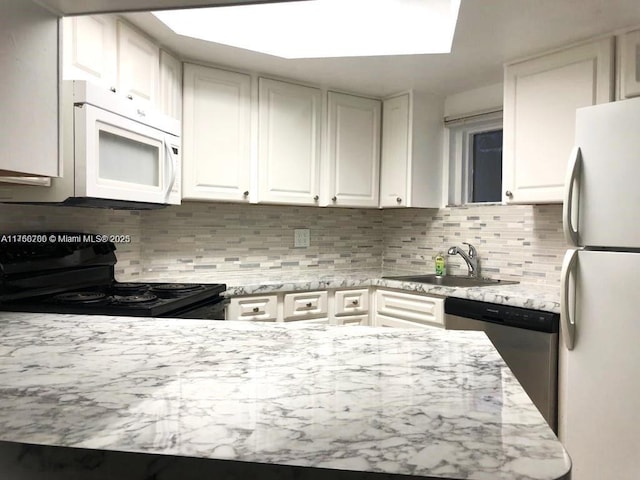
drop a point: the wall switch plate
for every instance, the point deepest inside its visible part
(301, 238)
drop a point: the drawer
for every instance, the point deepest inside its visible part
(298, 306)
(407, 306)
(352, 302)
(264, 308)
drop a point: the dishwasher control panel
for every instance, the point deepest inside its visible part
(503, 314)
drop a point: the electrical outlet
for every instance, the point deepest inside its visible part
(301, 238)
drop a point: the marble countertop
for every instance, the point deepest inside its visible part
(534, 296)
(428, 403)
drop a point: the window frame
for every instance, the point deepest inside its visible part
(461, 132)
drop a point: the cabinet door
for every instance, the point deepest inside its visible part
(541, 97)
(90, 49)
(352, 320)
(138, 65)
(289, 143)
(217, 134)
(385, 321)
(411, 307)
(29, 79)
(354, 150)
(170, 85)
(630, 64)
(395, 152)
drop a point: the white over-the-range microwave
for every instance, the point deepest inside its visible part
(114, 153)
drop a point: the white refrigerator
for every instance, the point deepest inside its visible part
(599, 374)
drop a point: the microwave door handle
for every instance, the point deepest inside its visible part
(174, 168)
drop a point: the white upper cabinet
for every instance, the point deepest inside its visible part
(629, 64)
(107, 51)
(288, 143)
(29, 79)
(395, 151)
(170, 85)
(90, 49)
(411, 161)
(138, 65)
(353, 150)
(541, 97)
(217, 134)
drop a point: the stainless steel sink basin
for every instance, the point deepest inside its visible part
(452, 280)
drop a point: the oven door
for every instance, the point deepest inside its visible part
(119, 158)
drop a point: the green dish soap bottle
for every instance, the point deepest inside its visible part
(441, 268)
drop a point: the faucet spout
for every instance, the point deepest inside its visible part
(470, 258)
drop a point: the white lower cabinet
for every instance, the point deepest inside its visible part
(304, 306)
(351, 307)
(257, 308)
(385, 321)
(391, 308)
(408, 310)
(337, 307)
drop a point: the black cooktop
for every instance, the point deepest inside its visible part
(69, 272)
(131, 299)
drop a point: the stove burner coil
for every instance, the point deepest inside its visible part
(80, 297)
(174, 289)
(133, 299)
(128, 288)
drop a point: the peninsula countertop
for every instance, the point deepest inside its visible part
(426, 404)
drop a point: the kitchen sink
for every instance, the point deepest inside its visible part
(452, 280)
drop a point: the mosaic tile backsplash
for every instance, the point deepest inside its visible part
(224, 242)
(228, 242)
(515, 242)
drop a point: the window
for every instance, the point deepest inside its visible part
(475, 159)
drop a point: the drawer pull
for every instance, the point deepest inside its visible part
(354, 302)
(256, 309)
(309, 305)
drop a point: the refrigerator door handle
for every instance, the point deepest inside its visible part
(573, 172)
(567, 319)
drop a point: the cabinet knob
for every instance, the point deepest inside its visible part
(309, 305)
(256, 309)
(334, 199)
(354, 302)
(509, 194)
(316, 198)
(130, 97)
(398, 199)
(113, 89)
(246, 193)
(141, 113)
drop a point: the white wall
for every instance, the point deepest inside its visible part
(474, 101)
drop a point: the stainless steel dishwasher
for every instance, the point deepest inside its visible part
(526, 339)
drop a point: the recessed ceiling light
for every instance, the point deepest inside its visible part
(324, 28)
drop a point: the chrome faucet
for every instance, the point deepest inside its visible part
(471, 258)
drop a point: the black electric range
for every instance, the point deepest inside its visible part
(62, 272)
